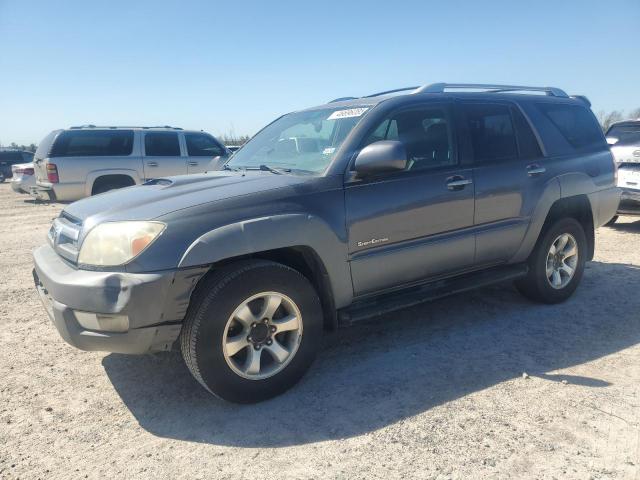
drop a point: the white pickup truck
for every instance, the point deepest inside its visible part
(624, 138)
(82, 161)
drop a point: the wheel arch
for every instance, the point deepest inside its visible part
(577, 207)
(301, 241)
(99, 175)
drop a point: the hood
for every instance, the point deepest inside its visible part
(163, 196)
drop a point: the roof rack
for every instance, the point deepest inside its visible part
(488, 87)
(342, 99)
(122, 126)
(441, 87)
(386, 92)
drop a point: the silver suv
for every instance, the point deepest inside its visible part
(83, 161)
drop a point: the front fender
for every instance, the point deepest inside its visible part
(275, 232)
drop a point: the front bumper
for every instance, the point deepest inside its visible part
(155, 303)
(629, 202)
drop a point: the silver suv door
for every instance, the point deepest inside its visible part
(203, 151)
(162, 155)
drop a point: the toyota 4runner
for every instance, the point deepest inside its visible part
(330, 215)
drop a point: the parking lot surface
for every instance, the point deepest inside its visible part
(435, 391)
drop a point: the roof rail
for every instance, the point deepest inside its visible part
(441, 87)
(386, 92)
(342, 99)
(122, 126)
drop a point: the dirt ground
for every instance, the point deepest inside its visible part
(435, 391)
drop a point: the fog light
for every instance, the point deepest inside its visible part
(102, 322)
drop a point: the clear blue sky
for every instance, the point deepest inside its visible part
(236, 65)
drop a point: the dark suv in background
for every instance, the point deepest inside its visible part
(10, 157)
(330, 215)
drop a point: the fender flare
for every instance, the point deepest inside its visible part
(552, 193)
(95, 174)
(261, 234)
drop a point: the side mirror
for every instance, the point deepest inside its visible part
(380, 157)
(612, 140)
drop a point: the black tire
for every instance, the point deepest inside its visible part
(612, 221)
(535, 285)
(215, 300)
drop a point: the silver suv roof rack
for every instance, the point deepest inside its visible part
(122, 126)
(491, 88)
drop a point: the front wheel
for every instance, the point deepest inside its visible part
(252, 330)
(556, 264)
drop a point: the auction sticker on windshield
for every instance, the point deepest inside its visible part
(351, 112)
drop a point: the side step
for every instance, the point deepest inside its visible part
(389, 302)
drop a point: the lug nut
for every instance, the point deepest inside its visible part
(257, 347)
(269, 342)
(253, 324)
(273, 328)
(249, 338)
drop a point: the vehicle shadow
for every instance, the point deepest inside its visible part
(375, 374)
(632, 227)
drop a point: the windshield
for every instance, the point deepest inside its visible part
(629, 133)
(303, 141)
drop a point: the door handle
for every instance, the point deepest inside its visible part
(457, 182)
(152, 164)
(533, 170)
(193, 164)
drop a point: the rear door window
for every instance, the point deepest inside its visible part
(575, 123)
(491, 132)
(161, 144)
(201, 145)
(93, 143)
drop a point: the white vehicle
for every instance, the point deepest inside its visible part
(83, 161)
(23, 177)
(624, 138)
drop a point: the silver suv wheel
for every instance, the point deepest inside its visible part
(262, 335)
(562, 260)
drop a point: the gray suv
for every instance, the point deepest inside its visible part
(330, 215)
(82, 161)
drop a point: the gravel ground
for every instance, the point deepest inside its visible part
(435, 391)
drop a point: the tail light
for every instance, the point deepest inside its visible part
(52, 173)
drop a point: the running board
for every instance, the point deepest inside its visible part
(389, 302)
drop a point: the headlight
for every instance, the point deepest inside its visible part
(116, 243)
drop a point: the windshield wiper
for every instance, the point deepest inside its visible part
(277, 171)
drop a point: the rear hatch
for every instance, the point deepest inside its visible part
(40, 158)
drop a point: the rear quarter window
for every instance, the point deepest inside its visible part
(575, 123)
(93, 143)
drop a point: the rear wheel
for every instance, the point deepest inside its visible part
(557, 263)
(252, 330)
